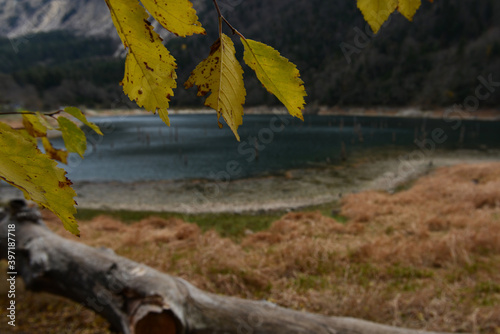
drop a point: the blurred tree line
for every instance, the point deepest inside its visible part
(433, 61)
(57, 68)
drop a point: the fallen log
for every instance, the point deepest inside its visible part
(137, 299)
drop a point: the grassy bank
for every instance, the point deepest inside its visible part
(225, 224)
(425, 257)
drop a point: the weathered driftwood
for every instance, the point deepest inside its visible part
(137, 299)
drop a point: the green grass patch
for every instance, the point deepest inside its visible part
(330, 209)
(408, 272)
(362, 273)
(487, 293)
(325, 208)
(341, 219)
(487, 287)
(404, 186)
(229, 225)
(406, 278)
(305, 282)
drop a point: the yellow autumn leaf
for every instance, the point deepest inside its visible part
(76, 113)
(279, 76)
(221, 75)
(408, 8)
(177, 16)
(27, 136)
(376, 12)
(44, 121)
(34, 126)
(74, 138)
(149, 68)
(25, 167)
(54, 153)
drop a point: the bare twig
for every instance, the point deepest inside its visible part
(222, 18)
(50, 114)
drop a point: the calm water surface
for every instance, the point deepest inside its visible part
(136, 148)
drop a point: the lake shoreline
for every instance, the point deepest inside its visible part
(397, 112)
(289, 190)
(401, 112)
(285, 191)
(322, 177)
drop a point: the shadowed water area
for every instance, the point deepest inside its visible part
(139, 148)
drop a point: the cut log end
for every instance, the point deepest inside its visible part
(158, 323)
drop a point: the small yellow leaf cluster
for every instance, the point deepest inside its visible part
(376, 12)
(150, 69)
(222, 75)
(24, 166)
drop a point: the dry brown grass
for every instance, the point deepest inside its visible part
(427, 257)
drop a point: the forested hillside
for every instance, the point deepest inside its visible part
(433, 61)
(59, 68)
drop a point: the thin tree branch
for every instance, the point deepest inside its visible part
(222, 18)
(52, 113)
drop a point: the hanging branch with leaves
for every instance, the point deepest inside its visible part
(149, 80)
(377, 12)
(150, 69)
(24, 166)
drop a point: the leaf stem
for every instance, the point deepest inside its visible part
(222, 18)
(219, 14)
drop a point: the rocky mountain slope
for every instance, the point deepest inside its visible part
(84, 17)
(81, 17)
